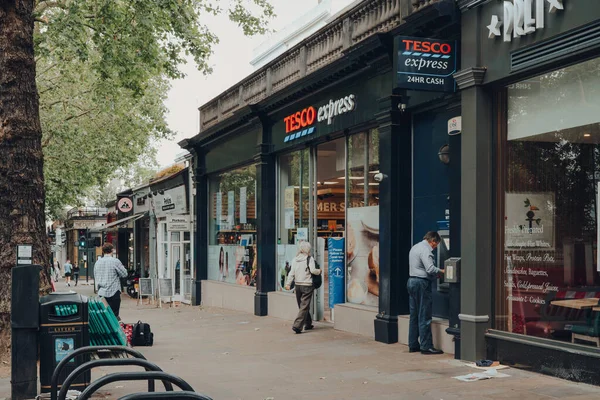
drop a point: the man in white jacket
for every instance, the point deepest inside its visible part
(303, 267)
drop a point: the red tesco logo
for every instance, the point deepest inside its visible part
(301, 119)
(427, 47)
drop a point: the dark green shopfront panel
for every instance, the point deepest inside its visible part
(366, 92)
(496, 53)
(240, 149)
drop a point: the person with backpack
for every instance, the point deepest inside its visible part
(306, 277)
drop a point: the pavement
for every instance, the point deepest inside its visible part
(230, 355)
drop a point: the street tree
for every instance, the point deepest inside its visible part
(126, 49)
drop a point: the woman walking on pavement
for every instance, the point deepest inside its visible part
(303, 267)
(76, 273)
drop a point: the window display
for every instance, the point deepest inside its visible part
(232, 227)
(549, 282)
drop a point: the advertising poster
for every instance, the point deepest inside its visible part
(230, 209)
(362, 255)
(62, 348)
(232, 264)
(529, 221)
(219, 206)
(336, 270)
(243, 205)
(288, 206)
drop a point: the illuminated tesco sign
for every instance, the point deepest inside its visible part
(300, 119)
(301, 123)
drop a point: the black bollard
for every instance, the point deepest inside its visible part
(24, 319)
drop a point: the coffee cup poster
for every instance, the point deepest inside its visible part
(529, 222)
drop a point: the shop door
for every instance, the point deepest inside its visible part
(176, 261)
(186, 275)
(328, 216)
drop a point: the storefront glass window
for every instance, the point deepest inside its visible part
(232, 227)
(549, 283)
(362, 228)
(294, 208)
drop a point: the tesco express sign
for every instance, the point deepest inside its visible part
(306, 117)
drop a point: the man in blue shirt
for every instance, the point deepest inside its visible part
(422, 271)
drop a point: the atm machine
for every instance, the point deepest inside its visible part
(443, 252)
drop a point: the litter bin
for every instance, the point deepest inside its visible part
(63, 328)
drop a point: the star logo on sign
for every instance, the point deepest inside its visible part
(494, 27)
(555, 5)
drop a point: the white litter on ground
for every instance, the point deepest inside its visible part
(478, 376)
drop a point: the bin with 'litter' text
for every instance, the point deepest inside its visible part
(63, 328)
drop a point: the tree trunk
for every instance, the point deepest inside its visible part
(22, 214)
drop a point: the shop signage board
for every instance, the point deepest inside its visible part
(521, 18)
(336, 270)
(426, 64)
(178, 223)
(172, 201)
(304, 122)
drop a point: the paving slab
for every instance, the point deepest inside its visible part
(232, 355)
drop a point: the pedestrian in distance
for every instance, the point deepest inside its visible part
(303, 267)
(422, 271)
(108, 272)
(56, 271)
(76, 273)
(68, 270)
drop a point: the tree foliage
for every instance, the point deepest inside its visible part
(103, 68)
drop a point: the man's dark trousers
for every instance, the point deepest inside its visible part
(114, 302)
(420, 303)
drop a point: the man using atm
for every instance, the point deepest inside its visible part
(422, 271)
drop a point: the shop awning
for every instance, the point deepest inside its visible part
(122, 221)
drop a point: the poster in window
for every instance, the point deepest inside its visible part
(362, 255)
(529, 223)
(219, 206)
(243, 205)
(230, 209)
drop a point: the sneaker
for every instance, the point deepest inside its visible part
(309, 327)
(432, 350)
(296, 330)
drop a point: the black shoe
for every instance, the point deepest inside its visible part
(309, 327)
(296, 330)
(410, 350)
(432, 351)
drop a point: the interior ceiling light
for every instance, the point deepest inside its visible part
(370, 184)
(587, 134)
(374, 172)
(331, 183)
(353, 178)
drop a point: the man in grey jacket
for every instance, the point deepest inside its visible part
(422, 271)
(303, 268)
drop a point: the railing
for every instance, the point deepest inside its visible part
(86, 212)
(315, 52)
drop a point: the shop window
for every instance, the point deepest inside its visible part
(548, 280)
(294, 208)
(232, 227)
(362, 227)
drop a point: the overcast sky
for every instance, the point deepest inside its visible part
(231, 63)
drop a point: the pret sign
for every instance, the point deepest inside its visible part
(426, 64)
(521, 17)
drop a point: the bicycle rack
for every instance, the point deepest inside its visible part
(167, 395)
(86, 350)
(62, 394)
(134, 376)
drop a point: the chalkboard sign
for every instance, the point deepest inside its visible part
(165, 287)
(146, 287)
